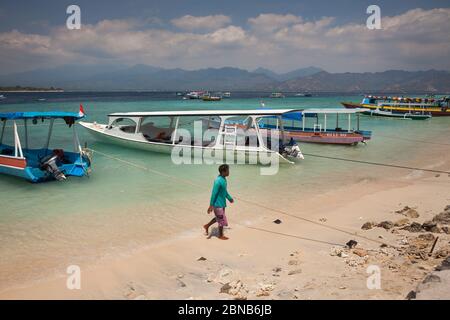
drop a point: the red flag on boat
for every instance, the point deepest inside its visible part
(81, 112)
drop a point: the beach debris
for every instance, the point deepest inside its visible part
(351, 244)
(445, 229)
(413, 227)
(368, 225)
(296, 271)
(277, 269)
(323, 219)
(386, 225)
(236, 288)
(337, 251)
(441, 253)
(401, 222)
(360, 252)
(293, 262)
(445, 265)
(409, 212)
(431, 227)
(356, 262)
(277, 221)
(201, 259)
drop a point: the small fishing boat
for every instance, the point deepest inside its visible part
(297, 127)
(396, 115)
(209, 97)
(2, 97)
(436, 107)
(38, 165)
(184, 132)
(276, 95)
(226, 95)
(195, 94)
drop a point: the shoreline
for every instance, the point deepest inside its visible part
(170, 269)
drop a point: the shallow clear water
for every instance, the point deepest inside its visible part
(119, 208)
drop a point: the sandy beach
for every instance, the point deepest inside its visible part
(303, 257)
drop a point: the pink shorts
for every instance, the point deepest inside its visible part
(221, 217)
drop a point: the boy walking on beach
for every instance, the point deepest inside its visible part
(218, 201)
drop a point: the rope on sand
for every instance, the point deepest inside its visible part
(355, 234)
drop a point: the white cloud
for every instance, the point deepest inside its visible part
(417, 39)
(203, 23)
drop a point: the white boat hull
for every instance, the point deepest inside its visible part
(257, 155)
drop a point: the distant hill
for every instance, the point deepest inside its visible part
(392, 81)
(144, 77)
(298, 73)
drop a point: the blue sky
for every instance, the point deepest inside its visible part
(281, 35)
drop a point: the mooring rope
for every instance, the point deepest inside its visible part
(355, 234)
(376, 163)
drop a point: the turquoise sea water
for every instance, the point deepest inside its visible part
(119, 208)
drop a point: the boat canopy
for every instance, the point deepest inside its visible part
(40, 115)
(258, 112)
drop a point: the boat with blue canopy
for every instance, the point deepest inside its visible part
(17, 158)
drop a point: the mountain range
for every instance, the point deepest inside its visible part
(310, 79)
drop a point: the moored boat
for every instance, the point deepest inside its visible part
(297, 127)
(38, 165)
(396, 115)
(176, 132)
(436, 107)
(276, 95)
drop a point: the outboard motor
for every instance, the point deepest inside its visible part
(291, 150)
(48, 164)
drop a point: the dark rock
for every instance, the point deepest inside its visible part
(351, 244)
(201, 259)
(277, 221)
(386, 225)
(413, 227)
(445, 265)
(225, 288)
(367, 225)
(446, 230)
(431, 278)
(411, 295)
(443, 217)
(431, 227)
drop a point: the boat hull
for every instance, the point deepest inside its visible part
(224, 154)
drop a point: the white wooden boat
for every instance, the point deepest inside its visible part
(221, 132)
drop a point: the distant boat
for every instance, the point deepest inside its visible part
(226, 95)
(276, 95)
(41, 99)
(437, 107)
(2, 97)
(179, 94)
(303, 95)
(211, 98)
(398, 115)
(195, 94)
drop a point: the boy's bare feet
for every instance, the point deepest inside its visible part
(206, 229)
(223, 238)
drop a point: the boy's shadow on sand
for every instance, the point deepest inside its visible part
(215, 232)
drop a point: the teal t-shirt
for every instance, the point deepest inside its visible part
(219, 193)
